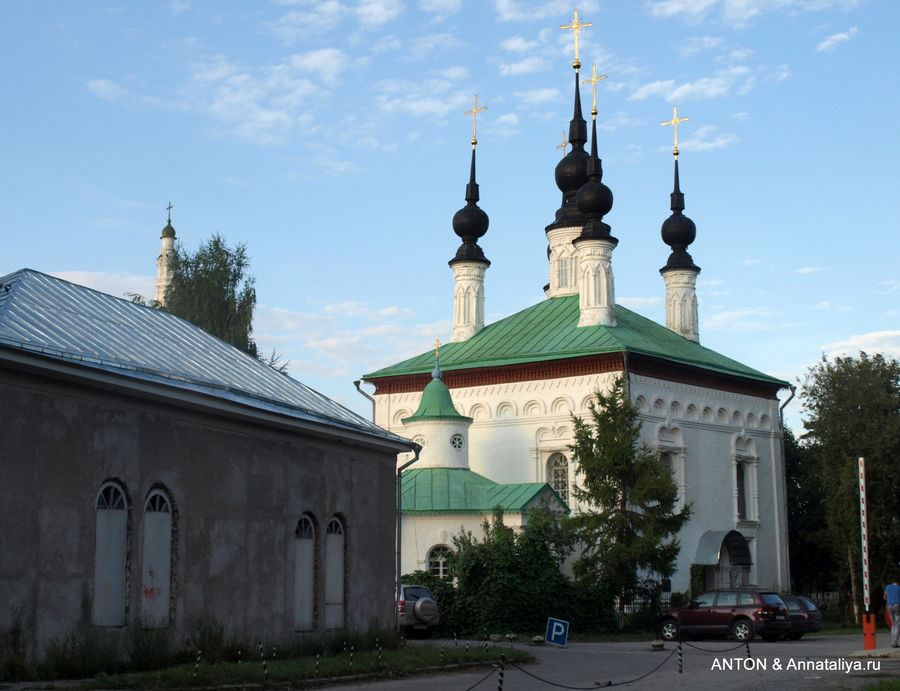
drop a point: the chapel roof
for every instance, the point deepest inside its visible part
(549, 331)
(460, 490)
(53, 318)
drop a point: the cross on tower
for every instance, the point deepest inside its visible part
(169, 209)
(564, 144)
(674, 122)
(474, 113)
(437, 348)
(575, 27)
(593, 80)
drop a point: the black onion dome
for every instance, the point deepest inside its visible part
(168, 231)
(571, 171)
(470, 223)
(594, 199)
(678, 231)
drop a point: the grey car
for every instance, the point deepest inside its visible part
(417, 609)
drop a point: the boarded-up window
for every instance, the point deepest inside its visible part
(156, 560)
(334, 575)
(741, 492)
(304, 574)
(109, 556)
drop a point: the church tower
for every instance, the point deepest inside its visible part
(594, 246)
(438, 427)
(469, 265)
(571, 174)
(680, 272)
(164, 261)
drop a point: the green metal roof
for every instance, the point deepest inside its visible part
(459, 490)
(549, 331)
(436, 404)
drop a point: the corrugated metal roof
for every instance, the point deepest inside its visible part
(549, 331)
(57, 319)
(460, 490)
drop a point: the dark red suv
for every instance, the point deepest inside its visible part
(740, 612)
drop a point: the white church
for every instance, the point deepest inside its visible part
(515, 384)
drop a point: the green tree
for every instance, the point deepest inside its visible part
(213, 289)
(812, 554)
(852, 409)
(628, 523)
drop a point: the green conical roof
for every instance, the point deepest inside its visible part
(436, 403)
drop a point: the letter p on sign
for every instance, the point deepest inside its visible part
(557, 632)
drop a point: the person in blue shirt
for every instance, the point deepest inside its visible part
(892, 598)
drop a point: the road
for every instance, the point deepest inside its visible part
(813, 662)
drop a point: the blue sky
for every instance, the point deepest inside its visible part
(329, 136)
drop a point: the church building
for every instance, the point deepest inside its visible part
(715, 422)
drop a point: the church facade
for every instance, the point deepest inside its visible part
(715, 422)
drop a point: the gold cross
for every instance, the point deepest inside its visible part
(437, 348)
(674, 122)
(593, 80)
(576, 27)
(564, 144)
(474, 113)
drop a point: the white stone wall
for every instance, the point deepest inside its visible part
(518, 426)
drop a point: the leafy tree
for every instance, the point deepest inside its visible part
(812, 555)
(629, 523)
(212, 289)
(852, 406)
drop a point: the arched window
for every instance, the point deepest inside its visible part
(437, 561)
(304, 573)
(110, 552)
(156, 560)
(334, 574)
(558, 475)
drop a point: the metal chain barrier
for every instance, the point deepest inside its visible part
(482, 680)
(595, 685)
(725, 650)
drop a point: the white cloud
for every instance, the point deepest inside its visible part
(739, 12)
(374, 13)
(454, 74)
(738, 78)
(707, 138)
(313, 20)
(529, 10)
(527, 65)
(428, 97)
(834, 40)
(698, 44)
(517, 44)
(742, 320)
(657, 88)
(106, 90)
(503, 126)
(751, 262)
(886, 342)
(637, 303)
(536, 97)
(432, 44)
(324, 62)
(441, 8)
(112, 283)
(810, 269)
(828, 306)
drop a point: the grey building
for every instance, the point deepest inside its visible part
(151, 474)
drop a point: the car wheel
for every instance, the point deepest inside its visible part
(771, 637)
(798, 636)
(668, 630)
(742, 630)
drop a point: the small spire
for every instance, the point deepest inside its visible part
(169, 209)
(678, 231)
(436, 372)
(471, 222)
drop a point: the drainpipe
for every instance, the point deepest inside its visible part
(356, 383)
(417, 449)
(787, 558)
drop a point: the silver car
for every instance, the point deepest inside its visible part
(417, 610)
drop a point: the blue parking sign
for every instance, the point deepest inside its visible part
(557, 631)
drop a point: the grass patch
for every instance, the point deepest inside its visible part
(401, 662)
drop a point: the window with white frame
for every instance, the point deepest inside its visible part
(438, 561)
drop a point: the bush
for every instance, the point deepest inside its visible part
(207, 635)
(81, 653)
(149, 648)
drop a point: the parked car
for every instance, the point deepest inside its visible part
(417, 610)
(805, 616)
(742, 613)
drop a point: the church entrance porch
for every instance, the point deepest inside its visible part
(725, 557)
